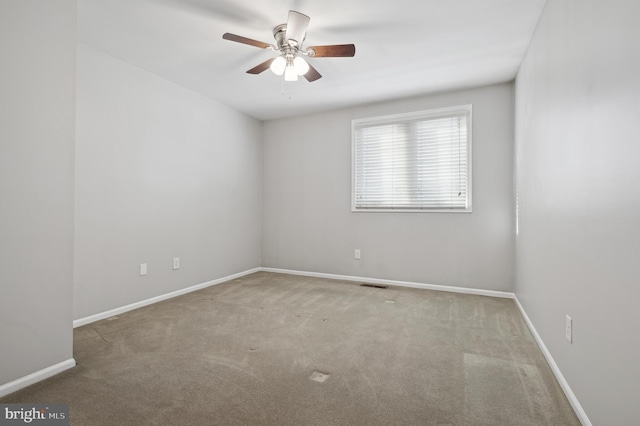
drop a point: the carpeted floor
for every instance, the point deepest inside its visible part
(243, 352)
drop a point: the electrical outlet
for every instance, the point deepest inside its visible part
(357, 254)
(567, 328)
(143, 269)
(176, 263)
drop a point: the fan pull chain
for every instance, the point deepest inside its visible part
(282, 89)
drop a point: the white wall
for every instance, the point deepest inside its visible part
(307, 220)
(161, 172)
(578, 183)
(37, 109)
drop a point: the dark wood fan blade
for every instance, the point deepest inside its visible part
(312, 74)
(244, 40)
(332, 51)
(262, 67)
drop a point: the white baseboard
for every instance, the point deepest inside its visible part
(32, 378)
(480, 292)
(582, 416)
(117, 311)
(106, 314)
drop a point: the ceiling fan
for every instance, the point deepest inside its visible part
(289, 38)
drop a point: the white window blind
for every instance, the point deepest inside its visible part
(413, 162)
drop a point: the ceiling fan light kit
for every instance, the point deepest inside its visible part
(289, 39)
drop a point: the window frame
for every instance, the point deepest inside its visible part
(410, 116)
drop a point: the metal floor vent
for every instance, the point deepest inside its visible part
(374, 285)
(319, 376)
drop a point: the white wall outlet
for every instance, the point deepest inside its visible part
(143, 269)
(176, 263)
(567, 328)
(357, 254)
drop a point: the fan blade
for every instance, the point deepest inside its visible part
(296, 28)
(244, 40)
(312, 74)
(332, 51)
(262, 67)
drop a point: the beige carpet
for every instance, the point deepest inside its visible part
(244, 352)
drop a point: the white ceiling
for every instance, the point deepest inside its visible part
(403, 47)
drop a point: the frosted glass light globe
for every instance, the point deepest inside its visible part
(300, 65)
(290, 73)
(278, 65)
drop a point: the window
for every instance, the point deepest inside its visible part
(413, 162)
